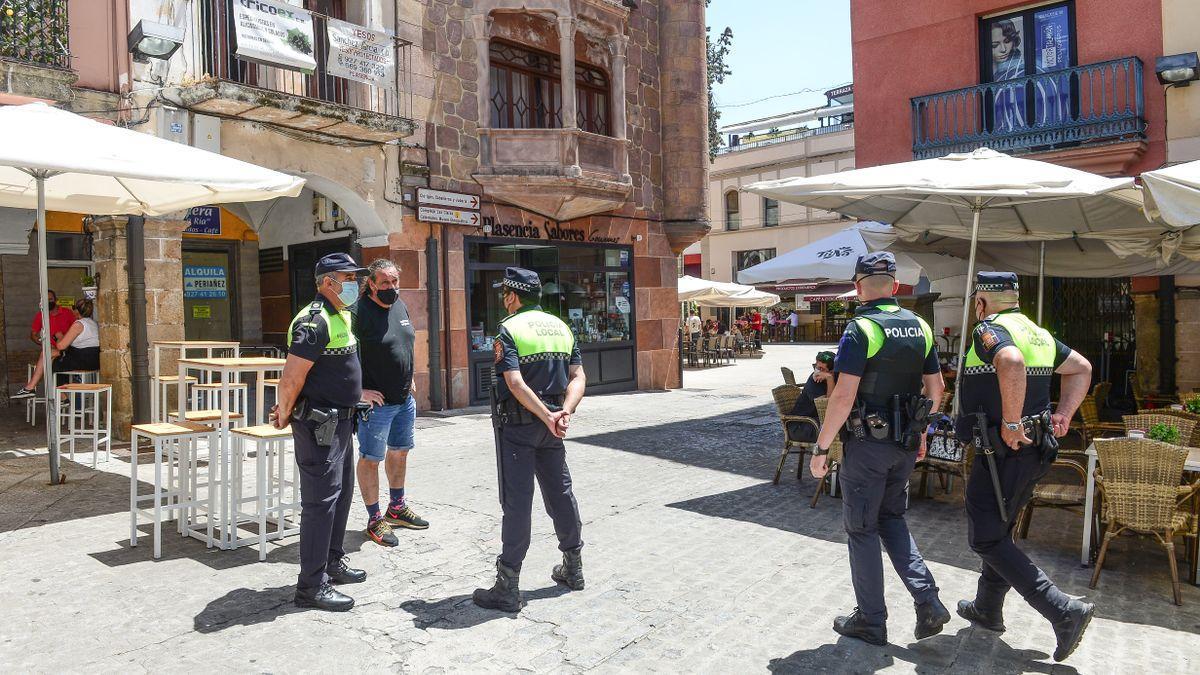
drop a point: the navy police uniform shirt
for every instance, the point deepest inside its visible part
(544, 357)
(979, 385)
(852, 350)
(335, 379)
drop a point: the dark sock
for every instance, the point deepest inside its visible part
(397, 495)
(372, 512)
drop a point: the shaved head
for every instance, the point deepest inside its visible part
(875, 287)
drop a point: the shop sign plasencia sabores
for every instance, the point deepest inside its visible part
(551, 232)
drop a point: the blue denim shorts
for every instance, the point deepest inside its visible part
(388, 427)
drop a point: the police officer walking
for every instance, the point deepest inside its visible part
(1005, 401)
(318, 391)
(539, 383)
(885, 357)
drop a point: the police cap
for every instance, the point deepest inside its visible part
(874, 264)
(521, 280)
(996, 282)
(338, 262)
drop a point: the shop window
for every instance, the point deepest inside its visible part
(770, 212)
(68, 246)
(733, 217)
(526, 91)
(1035, 48)
(747, 259)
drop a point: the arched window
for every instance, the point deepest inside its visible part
(526, 91)
(733, 216)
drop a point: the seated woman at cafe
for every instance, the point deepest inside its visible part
(818, 385)
(710, 327)
(79, 349)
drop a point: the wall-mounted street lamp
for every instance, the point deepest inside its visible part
(153, 40)
(1178, 70)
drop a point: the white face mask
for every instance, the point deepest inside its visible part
(349, 293)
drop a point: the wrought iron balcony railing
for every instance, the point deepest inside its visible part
(35, 32)
(1085, 105)
(215, 56)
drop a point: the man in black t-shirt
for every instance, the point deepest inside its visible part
(385, 347)
(818, 385)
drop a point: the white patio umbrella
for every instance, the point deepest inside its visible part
(831, 258)
(722, 293)
(53, 159)
(1173, 194)
(981, 195)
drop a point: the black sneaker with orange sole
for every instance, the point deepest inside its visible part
(381, 533)
(401, 515)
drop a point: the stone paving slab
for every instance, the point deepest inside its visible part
(695, 562)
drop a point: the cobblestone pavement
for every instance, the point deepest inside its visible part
(695, 562)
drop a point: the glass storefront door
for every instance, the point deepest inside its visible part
(208, 294)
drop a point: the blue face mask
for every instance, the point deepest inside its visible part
(349, 293)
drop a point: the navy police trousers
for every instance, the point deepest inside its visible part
(529, 451)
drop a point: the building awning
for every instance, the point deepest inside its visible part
(829, 292)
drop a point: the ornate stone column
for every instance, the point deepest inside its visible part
(682, 63)
(566, 55)
(619, 46)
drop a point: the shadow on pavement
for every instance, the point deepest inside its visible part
(745, 442)
(458, 611)
(28, 500)
(175, 547)
(246, 607)
(933, 655)
(1135, 586)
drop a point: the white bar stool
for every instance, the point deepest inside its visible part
(207, 395)
(164, 387)
(83, 419)
(175, 445)
(276, 498)
(34, 401)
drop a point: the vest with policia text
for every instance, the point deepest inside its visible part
(544, 345)
(341, 338)
(898, 343)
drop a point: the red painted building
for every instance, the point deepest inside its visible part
(937, 76)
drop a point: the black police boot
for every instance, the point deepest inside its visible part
(340, 572)
(931, 616)
(326, 597)
(504, 594)
(1070, 630)
(989, 620)
(570, 572)
(856, 626)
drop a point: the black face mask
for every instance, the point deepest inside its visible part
(387, 296)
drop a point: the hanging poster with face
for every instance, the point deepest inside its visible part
(1052, 93)
(274, 33)
(360, 54)
(1008, 63)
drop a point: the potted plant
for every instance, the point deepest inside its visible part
(1192, 405)
(89, 286)
(1167, 433)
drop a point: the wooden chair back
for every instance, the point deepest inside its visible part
(1146, 421)
(1141, 480)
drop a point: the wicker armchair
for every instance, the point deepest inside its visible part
(1145, 422)
(788, 376)
(1062, 495)
(1139, 481)
(1148, 400)
(1088, 424)
(1192, 441)
(785, 396)
(835, 454)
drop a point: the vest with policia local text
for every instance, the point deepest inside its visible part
(341, 338)
(898, 342)
(544, 345)
(980, 388)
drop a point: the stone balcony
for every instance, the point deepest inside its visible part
(559, 173)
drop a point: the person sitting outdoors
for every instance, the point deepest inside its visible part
(61, 319)
(78, 349)
(710, 327)
(818, 385)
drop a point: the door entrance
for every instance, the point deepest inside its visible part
(67, 282)
(302, 258)
(208, 293)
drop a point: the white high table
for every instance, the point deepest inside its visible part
(183, 347)
(1192, 464)
(228, 371)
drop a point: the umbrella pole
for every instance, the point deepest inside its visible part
(962, 341)
(1041, 281)
(47, 364)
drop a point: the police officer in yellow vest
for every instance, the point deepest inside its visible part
(318, 391)
(1005, 405)
(539, 382)
(885, 359)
